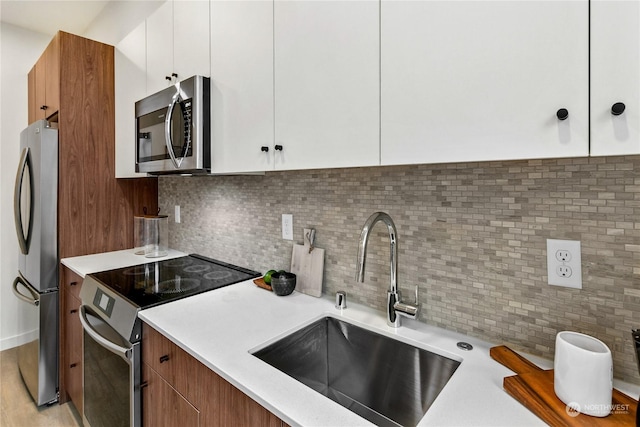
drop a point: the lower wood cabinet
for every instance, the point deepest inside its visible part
(71, 354)
(179, 390)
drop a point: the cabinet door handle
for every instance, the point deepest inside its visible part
(264, 148)
(167, 78)
(617, 108)
(278, 147)
(73, 283)
(73, 365)
(44, 107)
(562, 114)
(164, 358)
(144, 384)
(174, 75)
(73, 311)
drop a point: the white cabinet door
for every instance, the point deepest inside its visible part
(191, 50)
(483, 80)
(130, 86)
(241, 85)
(160, 48)
(615, 77)
(326, 83)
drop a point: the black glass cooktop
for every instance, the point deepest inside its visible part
(155, 283)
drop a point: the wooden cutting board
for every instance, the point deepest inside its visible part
(308, 268)
(533, 387)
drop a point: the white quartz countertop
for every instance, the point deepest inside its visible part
(86, 264)
(220, 328)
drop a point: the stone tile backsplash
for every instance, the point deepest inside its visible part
(472, 236)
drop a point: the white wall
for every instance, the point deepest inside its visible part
(19, 50)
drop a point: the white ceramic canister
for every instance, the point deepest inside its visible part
(583, 373)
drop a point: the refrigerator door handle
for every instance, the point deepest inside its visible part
(24, 167)
(33, 298)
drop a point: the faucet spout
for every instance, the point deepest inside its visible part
(393, 242)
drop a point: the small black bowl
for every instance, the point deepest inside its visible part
(283, 283)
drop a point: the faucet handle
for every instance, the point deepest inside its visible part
(408, 310)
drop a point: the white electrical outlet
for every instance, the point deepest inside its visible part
(176, 214)
(564, 263)
(287, 226)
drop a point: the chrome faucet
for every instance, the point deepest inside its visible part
(394, 305)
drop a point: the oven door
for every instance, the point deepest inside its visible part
(111, 378)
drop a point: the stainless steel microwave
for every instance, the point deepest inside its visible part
(173, 129)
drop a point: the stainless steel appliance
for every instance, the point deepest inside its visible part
(111, 301)
(173, 132)
(36, 286)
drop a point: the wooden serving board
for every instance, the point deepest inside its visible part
(533, 387)
(308, 266)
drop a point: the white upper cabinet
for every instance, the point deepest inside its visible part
(130, 86)
(615, 76)
(160, 48)
(326, 84)
(241, 86)
(177, 43)
(483, 80)
(191, 38)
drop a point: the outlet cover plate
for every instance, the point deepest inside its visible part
(287, 226)
(564, 263)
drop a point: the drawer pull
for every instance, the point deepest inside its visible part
(73, 365)
(73, 311)
(164, 358)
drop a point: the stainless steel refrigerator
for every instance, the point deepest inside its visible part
(36, 286)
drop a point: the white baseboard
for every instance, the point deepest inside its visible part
(17, 340)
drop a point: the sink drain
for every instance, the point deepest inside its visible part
(465, 346)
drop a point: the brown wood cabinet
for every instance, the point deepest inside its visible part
(44, 83)
(72, 351)
(180, 387)
(74, 79)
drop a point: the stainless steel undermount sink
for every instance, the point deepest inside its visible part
(386, 381)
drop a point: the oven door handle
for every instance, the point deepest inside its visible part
(114, 348)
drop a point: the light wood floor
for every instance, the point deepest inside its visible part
(17, 409)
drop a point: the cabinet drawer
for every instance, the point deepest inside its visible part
(72, 282)
(172, 363)
(162, 405)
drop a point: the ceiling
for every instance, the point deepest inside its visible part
(73, 16)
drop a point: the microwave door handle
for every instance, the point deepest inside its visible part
(33, 299)
(24, 167)
(113, 347)
(167, 130)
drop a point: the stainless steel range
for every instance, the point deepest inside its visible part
(111, 301)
